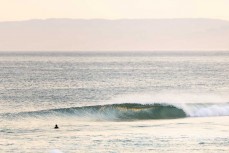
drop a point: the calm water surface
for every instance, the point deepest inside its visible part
(116, 102)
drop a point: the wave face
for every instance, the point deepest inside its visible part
(117, 112)
(128, 111)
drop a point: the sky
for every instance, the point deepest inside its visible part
(45, 37)
(14, 10)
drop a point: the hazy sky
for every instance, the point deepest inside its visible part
(112, 9)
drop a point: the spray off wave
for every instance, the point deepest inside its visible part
(130, 112)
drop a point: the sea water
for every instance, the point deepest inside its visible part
(114, 102)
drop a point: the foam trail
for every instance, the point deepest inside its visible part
(207, 110)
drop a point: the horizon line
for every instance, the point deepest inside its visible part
(118, 19)
(110, 51)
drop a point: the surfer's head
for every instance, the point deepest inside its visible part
(56, 127)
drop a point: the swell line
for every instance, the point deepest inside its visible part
(129, 111)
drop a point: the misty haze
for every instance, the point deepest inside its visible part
(114, 35)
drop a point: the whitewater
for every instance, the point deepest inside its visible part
(114, 102)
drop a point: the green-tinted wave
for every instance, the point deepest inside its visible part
(118, 112)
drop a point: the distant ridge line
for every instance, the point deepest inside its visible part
(189, 34)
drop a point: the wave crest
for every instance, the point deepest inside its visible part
(129, 111)
(111, 112)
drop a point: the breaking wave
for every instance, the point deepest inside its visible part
(129, 111)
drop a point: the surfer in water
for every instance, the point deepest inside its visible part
(56, 127)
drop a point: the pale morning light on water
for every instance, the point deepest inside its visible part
(114, 76)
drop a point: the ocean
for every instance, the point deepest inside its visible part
(113, 102)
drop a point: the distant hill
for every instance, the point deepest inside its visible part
(115, 35)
